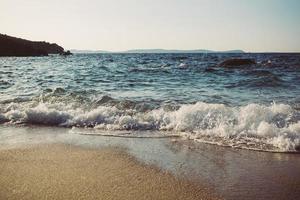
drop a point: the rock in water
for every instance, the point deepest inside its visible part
(237, 62)
(66, 53)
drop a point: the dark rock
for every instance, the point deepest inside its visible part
(66, 53)
(12, 46)
(237, 62)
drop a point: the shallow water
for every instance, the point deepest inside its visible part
(234, 173)
(159, 95)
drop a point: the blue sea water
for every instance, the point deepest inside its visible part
(158, 95)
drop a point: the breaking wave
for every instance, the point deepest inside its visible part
(274, 127)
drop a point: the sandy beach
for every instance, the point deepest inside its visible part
(70, 172)
(149, 100)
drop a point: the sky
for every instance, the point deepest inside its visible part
(117, 25)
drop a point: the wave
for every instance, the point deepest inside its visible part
(273, 127)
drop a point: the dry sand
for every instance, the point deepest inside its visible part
(68, 172)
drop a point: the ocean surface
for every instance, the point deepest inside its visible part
(158, 95)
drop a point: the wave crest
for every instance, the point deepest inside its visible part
(275, 127)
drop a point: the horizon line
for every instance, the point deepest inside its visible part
(161, 49)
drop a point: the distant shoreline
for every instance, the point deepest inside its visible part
(184, 53)
(150, 51)
(18, 47)
(155, 51)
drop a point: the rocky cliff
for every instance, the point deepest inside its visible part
(12, 46)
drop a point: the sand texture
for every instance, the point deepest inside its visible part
(68, 172)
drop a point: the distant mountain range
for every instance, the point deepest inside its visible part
(158, 51)
(180, 51)
(88, 51)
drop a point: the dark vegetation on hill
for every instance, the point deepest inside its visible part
(12, 46)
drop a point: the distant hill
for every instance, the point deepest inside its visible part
(88, 51)
(12, 46)
(158, 51)
(180, 51)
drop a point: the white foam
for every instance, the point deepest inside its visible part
(274, 127)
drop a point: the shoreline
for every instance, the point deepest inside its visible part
(231, 173)
(58, 171)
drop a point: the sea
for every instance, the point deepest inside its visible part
(187, 96)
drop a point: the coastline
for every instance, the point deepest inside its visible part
(57, 171)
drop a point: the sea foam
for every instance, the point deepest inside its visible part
(274, 127)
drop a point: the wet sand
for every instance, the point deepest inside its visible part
(52, 171)
(232, 173)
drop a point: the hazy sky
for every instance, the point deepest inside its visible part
(251, 25)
